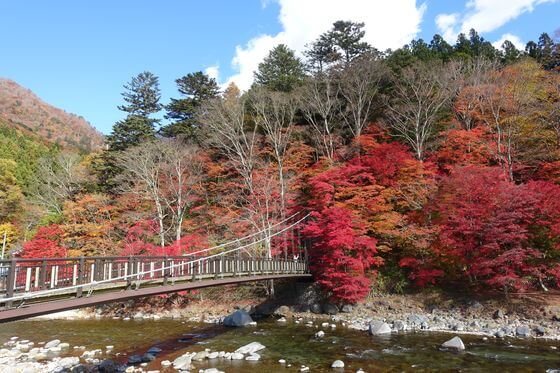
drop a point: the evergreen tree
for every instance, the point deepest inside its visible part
(420, 50)
(132, 130)
(281, 70)
(510, 53)
(440, 48)
(321, 53)
(197, 88)
(347, 37)
(142, 95)
(532, 49)
(463, 46)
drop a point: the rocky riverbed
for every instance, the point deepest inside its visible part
(315, 343)
(130, 338)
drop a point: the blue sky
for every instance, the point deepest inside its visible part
(76, 55)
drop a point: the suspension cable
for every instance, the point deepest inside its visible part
(138, 274)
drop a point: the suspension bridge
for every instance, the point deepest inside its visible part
(34, 287)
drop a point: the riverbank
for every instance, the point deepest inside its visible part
(529, 316)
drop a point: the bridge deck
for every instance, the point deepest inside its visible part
(34, 287)
(106, 297)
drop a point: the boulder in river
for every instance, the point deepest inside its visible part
(399, 326)
(183, 362)
(337, 364)
(454, 343)
(330, 309)
(315, 308)
(200, 356)
(53, 343)
(135, 359)
(416, 319)
(319, 334)
(250, 348)
(523, 331)
(379, 328)
(238, 318)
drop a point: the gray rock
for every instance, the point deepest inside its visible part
(238, 318)
(134, 359)
(500, 334)
(108, 366)
(200, 356)
(416, 319)
(283, 311)
(68, 362)
(250, 348)
(154, 350)
(253, 357)
(236, 356)
(476, 305)
(337, 364)
(507, 330)
(53, 343)
(183, 362)
(458, 327)
(315, 308)
(540, 330)
(319, 334)
(379, 328)
(146, 358)
(399, 326)
(523, 331)
(346, 309)
(454, 343)
(498, 314)
(330, 309)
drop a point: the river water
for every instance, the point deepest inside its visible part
(295, 343)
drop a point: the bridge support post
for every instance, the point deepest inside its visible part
(166, 271)
(81, 275)
(11, 284)
(43, 276)
(129, 270)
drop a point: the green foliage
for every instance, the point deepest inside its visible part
(197, 88)
(130, 131)
(142, 95)
(25, 150)
(11, 196)
(281, 70)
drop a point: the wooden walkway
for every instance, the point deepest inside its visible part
(33, 287)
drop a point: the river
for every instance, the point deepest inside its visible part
(293, 342)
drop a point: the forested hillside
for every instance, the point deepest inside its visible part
(22, 109)
(430, 165)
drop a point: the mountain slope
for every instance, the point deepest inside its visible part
(22, 109)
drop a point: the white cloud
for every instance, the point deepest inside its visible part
(213, 72)
(446, 23)
(519, 44)
(484, 16)
(389, 24)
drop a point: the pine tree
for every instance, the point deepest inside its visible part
(142, 95)
(197, 88)
(281, 70)
(347, 36)
(510, 53)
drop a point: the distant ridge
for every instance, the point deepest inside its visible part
(24, 110)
